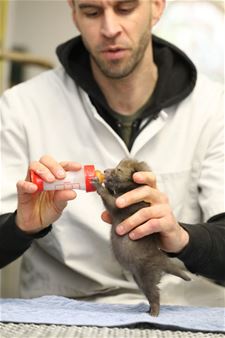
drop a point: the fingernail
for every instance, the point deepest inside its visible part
(32, 188)
(132, 235)
(60, 173)
(50, 177)
(138, 176)
(120, 230)
(120, 202)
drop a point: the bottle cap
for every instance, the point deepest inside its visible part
(100, 176)
(89, 173)
(36, 180)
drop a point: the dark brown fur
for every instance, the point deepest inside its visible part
(142, 257)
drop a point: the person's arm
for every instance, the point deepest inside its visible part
(35, 210)
(204, 254)
(13, 241)
(200, 246)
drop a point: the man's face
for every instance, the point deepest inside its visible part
(115, 32)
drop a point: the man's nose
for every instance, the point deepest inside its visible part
(110, 25)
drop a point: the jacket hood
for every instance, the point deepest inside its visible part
(176, 72)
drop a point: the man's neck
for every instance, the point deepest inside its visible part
(128, 95)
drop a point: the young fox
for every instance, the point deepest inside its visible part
(142, 257)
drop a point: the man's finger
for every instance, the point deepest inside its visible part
(143, 177)
(148, 228)
(140, 217)
(144, 193)
(54, 167)
(70, 166)
(25, 187)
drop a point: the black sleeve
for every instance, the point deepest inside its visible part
(13, 241)
(205, 252)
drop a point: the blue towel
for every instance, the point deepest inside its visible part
(64, 311)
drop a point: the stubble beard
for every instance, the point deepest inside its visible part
(119, 69)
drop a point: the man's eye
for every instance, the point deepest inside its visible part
(125, 9)
(91, 13)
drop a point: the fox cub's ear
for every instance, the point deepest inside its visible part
(142, 166)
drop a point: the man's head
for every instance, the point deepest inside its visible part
(116, 32)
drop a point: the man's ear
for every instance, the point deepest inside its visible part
(71, 3)
(73, 7)
(157, 10)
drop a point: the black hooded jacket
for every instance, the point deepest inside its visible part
(176, 80)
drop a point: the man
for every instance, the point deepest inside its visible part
(121, 92)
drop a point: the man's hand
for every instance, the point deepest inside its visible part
(36, 210)
(158, 217)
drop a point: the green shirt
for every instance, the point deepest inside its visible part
(126, 122)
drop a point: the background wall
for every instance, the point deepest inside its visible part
(38, 26)
(198, 28)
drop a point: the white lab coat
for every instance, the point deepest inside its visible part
(183, 146)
